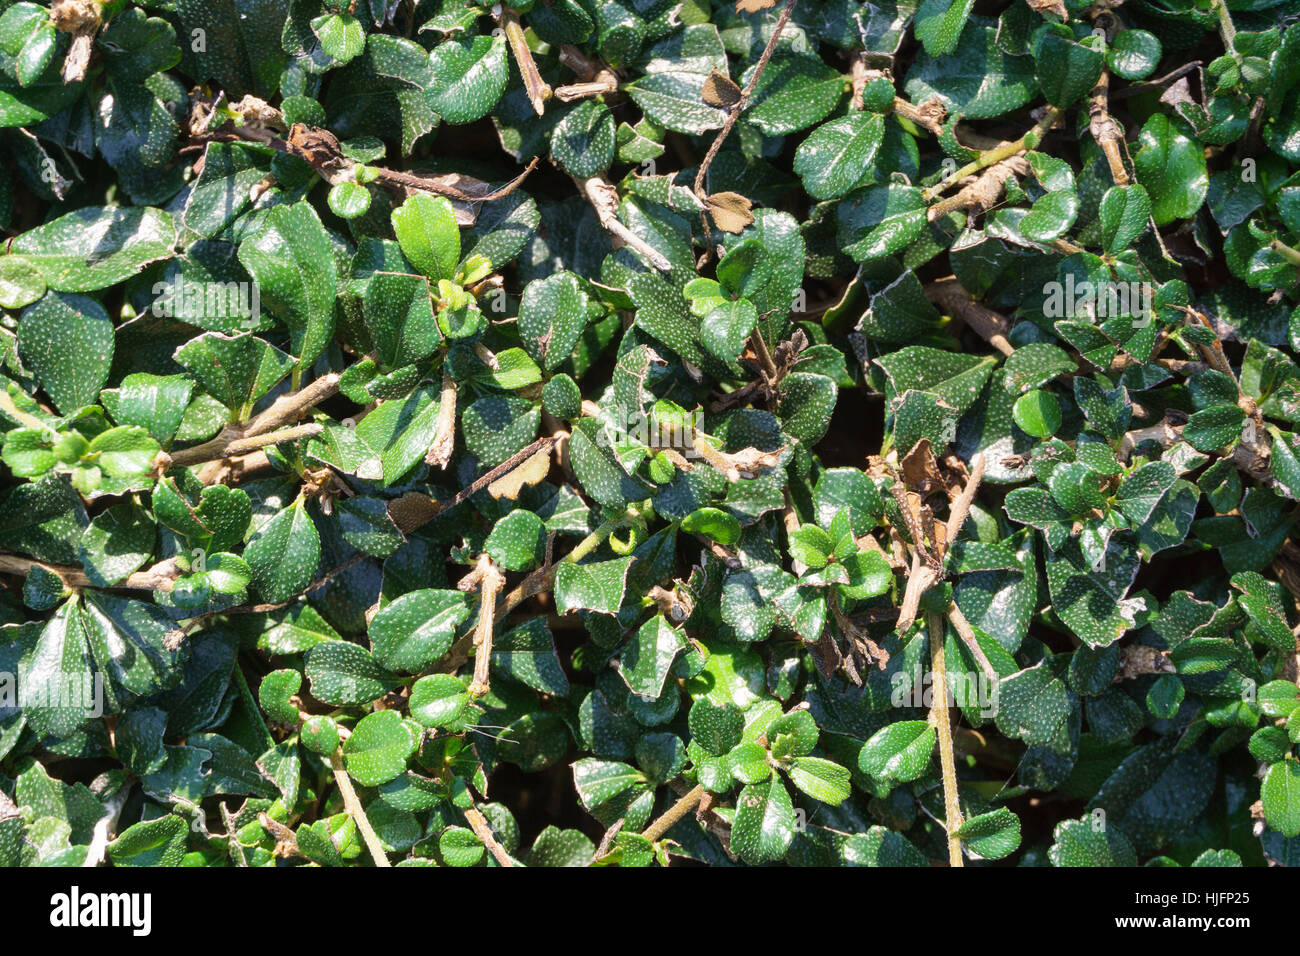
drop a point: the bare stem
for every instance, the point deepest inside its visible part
(483, 830)
(739, 107)
(160, 577)
(655, 831)
(940, 719)
(357, 812)
(538, 89)
(951, 296)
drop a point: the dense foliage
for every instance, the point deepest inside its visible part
(599, 432)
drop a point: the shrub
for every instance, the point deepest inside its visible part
(820, 433)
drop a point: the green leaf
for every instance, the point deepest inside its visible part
(1084, 843)
(341, 36)
(293, 264)
(1213, 428)
(979, 79)
(1133, 54)
(156, 403)
(552, 317)
(1123, 214)
(440, 701)
(794, 92)
(1171, 165)
(715, 727)
(98, 246)
(124, 452)
(648, 656)
(284, 554)
(21, 283)
(68, 342)
(583, 142)
(715, 524)
(417, 628)
(1051, 216)
(899, 752)
(764, 824)
(428, 234)
(527, 654)
(939, 24)
(556, 847)
(236, 370)
(881, 221)
(517, 541)
(346, 675)
(726, 328)
(1280, 794)
(811, 546)
(1091, 598)
(839, 154)
(378, 748)
(153, 843)
(213, 519)
(1038, 413)
(594, 586)
(1066, 70)
(821, 779)
(468, 77)
(399, 317)
(119, 541)
(673, 99)
(991, 836)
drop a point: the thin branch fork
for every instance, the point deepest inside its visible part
(487, 579)
(951, 297)
(321, 150)
(996, 155)
(984, 193)
(260, 431)
(603, 196)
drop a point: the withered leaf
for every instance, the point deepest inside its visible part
(730, 211)
(529, 472)
(721, 90)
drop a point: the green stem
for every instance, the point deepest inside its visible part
(1286, 252)
(990, 157)
(8, 407)
(1226, 28)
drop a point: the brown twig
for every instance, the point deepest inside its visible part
(160, 577)
(483, 830)
(444, 439)
(984, 193)
(603, 196)
(996, 155)
(655, 831)
(539, 91)
(733, 114)
(943, 728)
(414, 510)
(357, 812)
(1106, 130)
(951, 297)
(487, 579)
